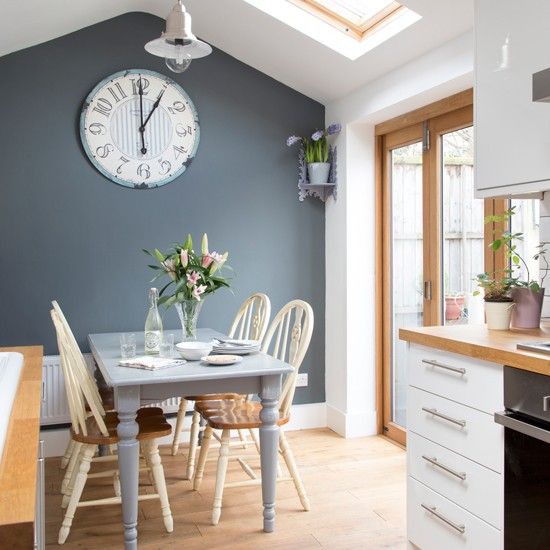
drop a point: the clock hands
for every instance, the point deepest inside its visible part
(141, 128)
(143, 124)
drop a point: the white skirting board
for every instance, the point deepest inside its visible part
(302, 417)
(350, 425)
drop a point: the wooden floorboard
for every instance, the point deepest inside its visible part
(356, 488)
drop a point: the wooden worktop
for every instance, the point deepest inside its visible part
(498, 346)
(18, 468)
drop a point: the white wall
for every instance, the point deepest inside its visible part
(350, 298)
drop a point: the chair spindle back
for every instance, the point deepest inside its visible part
(288, 339)
(252, 319)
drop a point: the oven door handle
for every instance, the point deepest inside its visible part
(509, 421)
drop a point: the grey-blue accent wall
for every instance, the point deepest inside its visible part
(68, 233)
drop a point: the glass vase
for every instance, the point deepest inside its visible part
(188, 312)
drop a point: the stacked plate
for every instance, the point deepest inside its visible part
(235, 347)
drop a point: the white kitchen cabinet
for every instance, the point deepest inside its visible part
(455, 451)
(512, 133)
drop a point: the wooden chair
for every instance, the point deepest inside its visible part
(229, 415)
(96, 427)
(103, 397)
(250, 323)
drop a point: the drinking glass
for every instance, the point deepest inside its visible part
(166, 346)
(127, 345)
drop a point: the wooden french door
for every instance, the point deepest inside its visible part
(433, 240)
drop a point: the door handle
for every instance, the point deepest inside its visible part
(427, 290)
(434, 363)
(435, 412)
(433, 460)
(433, 510)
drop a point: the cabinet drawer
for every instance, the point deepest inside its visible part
(474, 487)
(473, 382)
(464, 430)
(453, 528)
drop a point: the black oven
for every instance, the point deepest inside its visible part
(527, 460)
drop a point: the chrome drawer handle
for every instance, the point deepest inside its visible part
(435, 462)
(461, 423)
(433, 363)
(433, 510)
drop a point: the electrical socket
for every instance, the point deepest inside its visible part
(301, 380)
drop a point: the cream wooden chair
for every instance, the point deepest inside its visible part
(250, 323)
(287, 339)
(96, 427)
(103, 399)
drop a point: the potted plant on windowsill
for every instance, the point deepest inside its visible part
(527, 293)
(316, 153)
(498, 302)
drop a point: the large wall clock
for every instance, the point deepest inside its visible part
(139, 128)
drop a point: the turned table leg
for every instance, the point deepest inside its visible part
(128, 460)
(269, 444)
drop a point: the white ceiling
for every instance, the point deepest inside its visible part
(251, 36)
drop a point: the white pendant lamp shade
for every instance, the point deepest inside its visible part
(178, 45)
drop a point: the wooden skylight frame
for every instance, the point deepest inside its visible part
(356, 31)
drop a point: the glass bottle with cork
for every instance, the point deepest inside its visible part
(153, 325)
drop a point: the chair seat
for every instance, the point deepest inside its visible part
(213, 396)
(152, 425)
(233, 415)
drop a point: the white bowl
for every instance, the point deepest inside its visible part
(193, 351)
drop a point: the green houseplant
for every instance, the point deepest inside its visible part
(498, 301)
(527, 293)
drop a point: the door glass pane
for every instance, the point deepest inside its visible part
(526, 220)
(407, 265)
(462, 224)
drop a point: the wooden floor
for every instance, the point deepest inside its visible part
(356, 488)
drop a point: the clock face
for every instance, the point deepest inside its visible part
(139, 128)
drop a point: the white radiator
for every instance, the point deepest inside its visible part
(54, 408)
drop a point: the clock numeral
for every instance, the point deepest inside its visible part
(103, 150)
(177, 107)
(144, 85)
(118, 93)
(165, 167)
(96, 129)
(178, 151)
(104, 106)
(124, 160)
(181, 131)
(144, 171)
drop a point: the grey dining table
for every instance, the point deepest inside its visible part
(257, 374)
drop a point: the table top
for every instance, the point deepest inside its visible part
(106, 351)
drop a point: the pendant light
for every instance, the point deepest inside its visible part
(178, 45)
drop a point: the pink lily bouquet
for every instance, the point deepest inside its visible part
(192, 275)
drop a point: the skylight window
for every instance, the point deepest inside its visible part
(349, 27)
(357, 18)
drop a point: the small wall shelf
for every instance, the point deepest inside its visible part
(322, 191)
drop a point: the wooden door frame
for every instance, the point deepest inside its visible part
(441, 117)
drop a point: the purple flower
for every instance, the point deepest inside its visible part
(291, 140)
(334, 129)
(316, 136)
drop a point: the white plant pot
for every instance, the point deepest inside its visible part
(498, 315)
(318, 172)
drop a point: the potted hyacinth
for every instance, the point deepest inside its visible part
(316, 152)
(192, 277)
